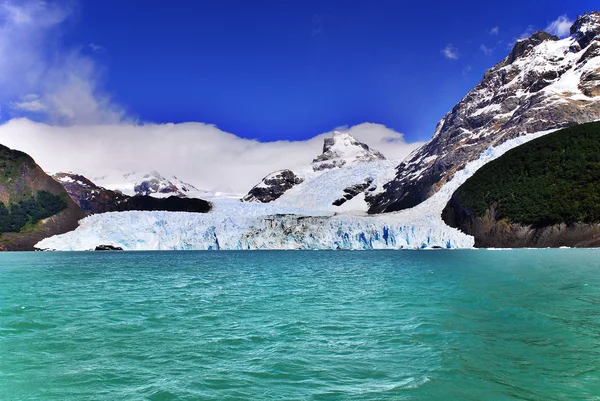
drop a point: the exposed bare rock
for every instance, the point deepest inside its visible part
(91, 198)
(351, 192)
(490, 232)
(543, 84)
(273, 186)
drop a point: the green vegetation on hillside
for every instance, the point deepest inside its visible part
(550, 180)
(29, 211)
(11, 162)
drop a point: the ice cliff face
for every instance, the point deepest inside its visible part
(544, 83)
(344, 157)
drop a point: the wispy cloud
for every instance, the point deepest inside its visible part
(30, 103)
(96, 48)
(32, 63)
(317, 25)
(466, 70)
(486, 50)
(450, 52)
(495, 30)
(560, 27)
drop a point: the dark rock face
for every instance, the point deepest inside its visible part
(492, 233)
(273, 186)
(170, 204)
(351, 192)
(108, 248)
(586, 29)
(529, 91)
(21, 177)
(94, 199)
(524, 46)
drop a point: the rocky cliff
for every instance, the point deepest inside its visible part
(544, 83)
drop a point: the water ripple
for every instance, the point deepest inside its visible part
(300, 325)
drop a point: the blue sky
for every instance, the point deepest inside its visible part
(273, 69)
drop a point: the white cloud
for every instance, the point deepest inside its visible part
(495, 30)
(560, 27)
(86, 133)
(450, 52)
(486, 50)
(199, 153)
(33, 61)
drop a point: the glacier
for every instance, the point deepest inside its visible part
(235, 225)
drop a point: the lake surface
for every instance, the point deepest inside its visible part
(317, 325)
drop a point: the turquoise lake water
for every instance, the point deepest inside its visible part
(381, 325)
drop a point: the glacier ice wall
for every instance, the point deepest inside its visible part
(188, 231)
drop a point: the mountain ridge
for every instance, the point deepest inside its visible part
(544, 83)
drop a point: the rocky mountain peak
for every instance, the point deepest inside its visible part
(523, 46)
(586, 28)
(339, 150)
(544, 83)
(152, 183)
(342, 148)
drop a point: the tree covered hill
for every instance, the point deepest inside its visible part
(549, 181)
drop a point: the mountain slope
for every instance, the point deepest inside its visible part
(545, 193)
(94, 199)
(544, 83)
(345, 170)
(32, 205)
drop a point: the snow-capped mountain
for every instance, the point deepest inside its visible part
(346, 169)
(341, 149)
(544, 83)
(152, 184)
(94, 199)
